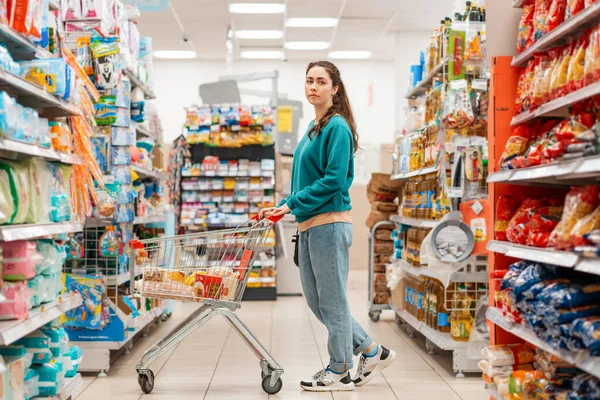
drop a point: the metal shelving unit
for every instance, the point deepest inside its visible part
(418, 172)
(11, 331)
(453, 276)
(13, 149)
(418, 223)
(9, 233)
(591, 365)
(145, 173)
(571, 27)
(135, 82)
(425, 84)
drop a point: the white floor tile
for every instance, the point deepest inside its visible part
(213, 362)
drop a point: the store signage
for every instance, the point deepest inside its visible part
(149, 5)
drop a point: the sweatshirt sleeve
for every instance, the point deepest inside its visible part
(339, 151)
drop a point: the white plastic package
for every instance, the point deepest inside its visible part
(39, 205)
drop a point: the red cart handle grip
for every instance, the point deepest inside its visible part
(271, 218)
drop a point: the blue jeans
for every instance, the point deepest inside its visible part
(324, 264)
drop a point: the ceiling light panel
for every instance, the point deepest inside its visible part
(311, 22)
(312, 45)
(256, 8)
(259, 34)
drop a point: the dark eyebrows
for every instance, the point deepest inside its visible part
(318, 77)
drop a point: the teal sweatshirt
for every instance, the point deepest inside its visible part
(322, 171)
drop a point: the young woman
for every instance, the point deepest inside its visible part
(322, 173)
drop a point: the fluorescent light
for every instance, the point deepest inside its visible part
(259, 34)
(257, 8)
(350, 55)
(262, 54)
(175, 54)
(307, 45)
(311, 22)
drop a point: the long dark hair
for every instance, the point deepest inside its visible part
(341, 104)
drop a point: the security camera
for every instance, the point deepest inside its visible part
(185, 39)
(284, 59)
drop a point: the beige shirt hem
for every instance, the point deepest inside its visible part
(325, 218)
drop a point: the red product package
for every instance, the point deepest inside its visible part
(590, 223)
(505, 209)
(574, 7)
(516, 231)
(525, 36)
(588, 3)
(591, 73)
(539, 18)
(544, 219)
(556, 14)
(539, 239)
(20, 15)
(580, 202)
(538, 87)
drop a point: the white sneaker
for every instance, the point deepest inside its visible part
(327, 381)
(369, 366)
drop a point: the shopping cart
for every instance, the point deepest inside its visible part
(211, 268)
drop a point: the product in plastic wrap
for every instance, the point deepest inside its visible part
(516, 146)
(505, 209)
(61, 137)
(576, 75)
(508, 355)
(574, 7)
(580, 202)
(493, 372)
(88, 314)
(568, 294)
(515, 231)
(538, 88)
(457, 111)
(556, 14)
(525, 37)
(542, 7)
(592, 57)
(588, 330)
(560, 73)
(584, 227)
(105, 52)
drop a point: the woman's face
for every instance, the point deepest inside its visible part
(318, 87)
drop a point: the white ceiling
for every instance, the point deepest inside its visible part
(364, 25)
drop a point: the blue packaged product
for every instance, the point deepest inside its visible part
(122, 174)
(88, 314)
(52, 73)
(123, 118)
(35, 290)
(125, 213)
(569, 295)
(121, 156)
(138, 111)
(537, 290)
(31, 384)
(531, 275)
(121, 95)
(37, 344)
(586, 383)
(57, 340)
(106, 114)
(76, 355)
(588, 331)
(127, 195)
(100, 147)
(564, 315)
(50, 376)
(121, 137)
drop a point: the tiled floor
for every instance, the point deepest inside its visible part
(214, 363)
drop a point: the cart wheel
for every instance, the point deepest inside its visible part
(375, 315)
(164, 317)
(271, 389)
(146, 381)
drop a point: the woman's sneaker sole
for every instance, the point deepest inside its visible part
(366, 378)
(332, 388)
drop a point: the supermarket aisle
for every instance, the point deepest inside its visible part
(214, 363)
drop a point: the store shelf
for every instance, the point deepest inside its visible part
(145, 173)
(239, 174)
(572, 172)
(440, 339)
(570, 28)
(548, 256)
(583, 361)
(15, 150)
(151, 219)
(440, 274)
(34, 96)
(70, 387)
(142, 131)
(9, 233)
(11, 331)
(410, 174)
(420, 223)
(135, 82)
(558, 107)
(422, 86)
(19, 46)
(518, 3)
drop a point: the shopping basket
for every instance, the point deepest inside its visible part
(210, 268)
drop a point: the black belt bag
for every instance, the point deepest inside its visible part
(296, 241)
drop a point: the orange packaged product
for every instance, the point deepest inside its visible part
(525, 36)
(577, 65)
(61, 137)
(574, 7)
(542, 7)
(592, 58)
(505, 209)
(580, 202)
(554, 55)
(21, 16)
(556, 14)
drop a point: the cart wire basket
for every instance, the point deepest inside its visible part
(210, 268)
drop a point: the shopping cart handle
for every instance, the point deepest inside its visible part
(271, 218)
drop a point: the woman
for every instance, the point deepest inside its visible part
(322, 173)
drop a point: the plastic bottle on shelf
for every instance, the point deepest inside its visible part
(421, 301)
(443, 315)
(461, 318)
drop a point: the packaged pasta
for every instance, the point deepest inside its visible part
(525, 36)
(554, 55)
(458, 112)
(556, 14)
(585, 226)
(515, 231)
(538, 88)
(575, 77)
(505, 209)
(493, 372)
(542, 7)
(592, 57)
(574, 7)
(515, 146)
(508, 355)
(561, 73)
(579, 202)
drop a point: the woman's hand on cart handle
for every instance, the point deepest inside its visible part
(266, 212)
(281, 211)
(273, 214)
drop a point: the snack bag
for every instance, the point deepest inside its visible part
(561, 73)
(580, 201)
(515, 231)
(574, 7)
(585, 226)
(105, 52)
(556, 14)
(458, 112)
(592, 57)
(505, 209)
(542, 7)
(525, 37)
(515, 146)
(538, 89)
(575, 76)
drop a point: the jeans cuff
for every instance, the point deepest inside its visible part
(363, 346)
(340, 367)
